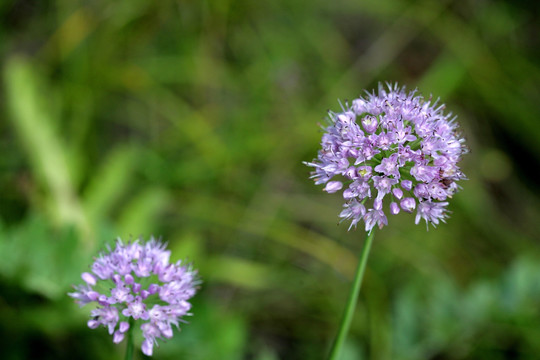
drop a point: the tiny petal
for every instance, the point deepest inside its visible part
(167, 332)
(93, 324)
(136, 309)
(408, 204)
(370, 123)
(124, 326)
(333, 186)
(88, 278)
(93, 295)
(398, 193)
(421, 191)
(346, 117)
(153, 288)
(118, 337)
(147, 347)
(351, 173)
(424, 173)
(359, 106)
(136, 287)
(375, 217)
(431, 212)
(394, 208)
(388, 167)
(365, 172)
(354, 210)
(128, 279)
(117, 279)
(121, 294)
(407, 185)
(377, 204)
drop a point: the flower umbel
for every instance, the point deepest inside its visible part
(393, 150)
(136, 282)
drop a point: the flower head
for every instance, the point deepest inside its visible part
(136, 282)
(393, 150)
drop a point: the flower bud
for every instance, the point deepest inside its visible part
(408, 204)
(118, 337)
(129, 279)
(398, 193)
(333, 186)
(377, 204)
(370, 123)
(406, 184)
(124, 326)
(394, 208)
(88, 278)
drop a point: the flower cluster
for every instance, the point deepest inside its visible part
(136, 282)
(393, 145)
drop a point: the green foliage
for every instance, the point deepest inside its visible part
(190, 119)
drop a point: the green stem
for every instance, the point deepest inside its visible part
(129, 346)
(353, 298)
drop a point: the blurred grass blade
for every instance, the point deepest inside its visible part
(240, 272)
(33, 124)
(297, 237)
(109, 183)
(139, 215)
(71, 33)
(443, 77)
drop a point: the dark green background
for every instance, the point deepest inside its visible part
(190, 120)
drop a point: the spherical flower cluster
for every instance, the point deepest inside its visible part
(136, 282)
(392, 151)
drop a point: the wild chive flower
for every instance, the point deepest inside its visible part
(393, 149)
(136, 282)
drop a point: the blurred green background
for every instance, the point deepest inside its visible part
(190, 120)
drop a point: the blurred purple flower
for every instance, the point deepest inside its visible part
(394, 145)
(136, 282)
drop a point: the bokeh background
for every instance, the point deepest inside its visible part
(190, 119)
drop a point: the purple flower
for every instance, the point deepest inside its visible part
(135, 282)
(392, 150)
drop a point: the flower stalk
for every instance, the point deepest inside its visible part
(353, 299)
(129, 345)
